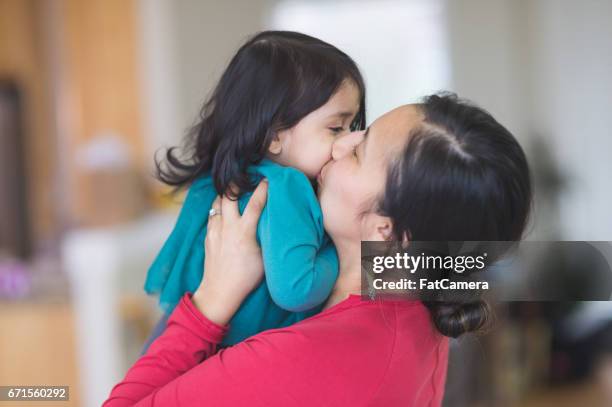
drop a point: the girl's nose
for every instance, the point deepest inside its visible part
(345, 144)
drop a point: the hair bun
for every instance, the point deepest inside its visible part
(454, 319)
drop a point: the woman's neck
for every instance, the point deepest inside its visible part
(349, 273)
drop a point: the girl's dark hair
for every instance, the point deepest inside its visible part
(462, 177)
(274, 80)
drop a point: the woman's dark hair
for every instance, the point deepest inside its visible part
(462, 177)
(275, 79)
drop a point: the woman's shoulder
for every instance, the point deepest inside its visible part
(358, 322)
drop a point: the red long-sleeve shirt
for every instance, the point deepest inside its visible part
(356, 353)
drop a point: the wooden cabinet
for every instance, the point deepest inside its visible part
(38, 347)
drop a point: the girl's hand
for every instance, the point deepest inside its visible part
(233, 265)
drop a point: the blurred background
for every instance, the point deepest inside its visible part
(90, 89)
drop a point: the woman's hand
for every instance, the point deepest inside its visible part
(233, 265)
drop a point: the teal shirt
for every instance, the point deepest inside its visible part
(300, 261)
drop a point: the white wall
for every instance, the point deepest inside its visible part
(209, 33)
(185, 45)
(487, 57)
(400, 46)
(543, 67)
(571, 51)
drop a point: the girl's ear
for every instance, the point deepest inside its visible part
(376, 227)
(276, 146)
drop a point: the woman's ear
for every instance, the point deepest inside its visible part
(376, 227)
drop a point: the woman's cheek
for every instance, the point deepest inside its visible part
(350, 201)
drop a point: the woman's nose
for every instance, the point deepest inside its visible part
(345, 144)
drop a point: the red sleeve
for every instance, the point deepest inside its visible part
(280, 367)
(188, 339)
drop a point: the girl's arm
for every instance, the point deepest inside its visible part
(301, 263)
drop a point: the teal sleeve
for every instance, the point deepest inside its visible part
(301, 263)
(179, 265)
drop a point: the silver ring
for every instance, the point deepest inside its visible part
(212, 212)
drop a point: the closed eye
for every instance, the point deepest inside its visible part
(337, 130)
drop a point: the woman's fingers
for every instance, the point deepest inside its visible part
(252, 212)
(229, 207)
(233, 262)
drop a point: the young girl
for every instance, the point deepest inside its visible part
(275, 112)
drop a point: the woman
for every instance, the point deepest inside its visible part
(440, 170)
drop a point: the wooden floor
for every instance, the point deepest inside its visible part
(585, 395)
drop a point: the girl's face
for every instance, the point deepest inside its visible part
(354, 179)
(307, 145)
